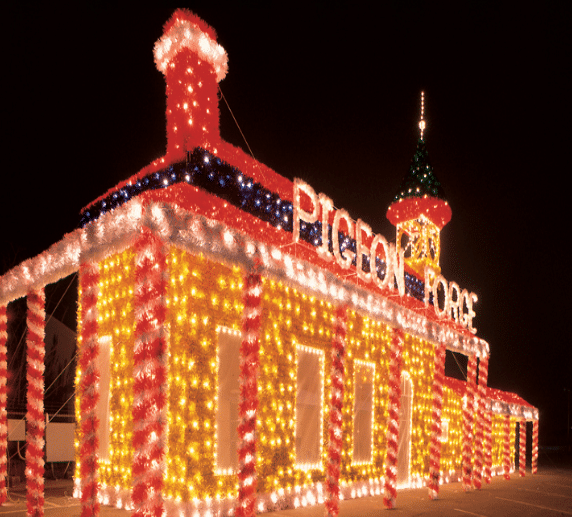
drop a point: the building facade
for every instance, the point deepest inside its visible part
(244, 346)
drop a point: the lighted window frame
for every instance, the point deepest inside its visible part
(228, 392)
(359, 456)
(309, 433)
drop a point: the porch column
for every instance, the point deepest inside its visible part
(335, 443)
(479, 437)
(150, 376)
(248, 405)
(88, 391)
(488, 444)
(468, 420)
(395, 352)
(522, 448)
(3, 400)
(534, 446)
(506, 448)
(435, 448)
(35, 431)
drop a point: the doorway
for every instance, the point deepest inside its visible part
(404, 446)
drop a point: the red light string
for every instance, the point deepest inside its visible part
(468, 419)
(488, 460)
(535, 446)
(248, 406)
(506, 448)
(88, 388)
(335, 445)
(35, 424)
(522, 449)
(150, 372)
(3, 400)
(436, 430)
(479, 435)
(390, 491)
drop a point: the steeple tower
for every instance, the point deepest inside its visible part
(419, 210)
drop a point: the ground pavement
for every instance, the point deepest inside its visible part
(548, 493)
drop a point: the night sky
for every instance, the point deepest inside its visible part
(331, 95)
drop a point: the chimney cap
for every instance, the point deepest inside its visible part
(186, 30)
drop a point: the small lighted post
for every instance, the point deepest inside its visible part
(390, 494)
(468, 420)
(88, 387)
(149, 372)
(522, 449)
(488, 460)
(480, 432)
(248, 406)
(335, 443)
(535, 446)
(3, 398)
(436, 431)
(506, 448)
(36, 426)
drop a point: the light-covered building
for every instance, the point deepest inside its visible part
(245, 346)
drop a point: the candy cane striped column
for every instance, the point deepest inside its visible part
(36, 320)
(468, 419)
(479, 435)
(435, 448)
(534, 447)
(88, 388)
(506, 448)
(335, 426)
(522, 449)
(396, 349)
(248, 406)
(150, 376)
(3, 400)
(488, 444)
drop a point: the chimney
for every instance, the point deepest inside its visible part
(193, 63)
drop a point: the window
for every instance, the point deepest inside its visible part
(444, 430)
(364, 374)
(228, 399)
(309, 403)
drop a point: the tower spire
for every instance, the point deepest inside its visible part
(419, 210)
(422, 124)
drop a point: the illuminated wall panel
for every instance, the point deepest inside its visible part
(364, 374)
(451, 450)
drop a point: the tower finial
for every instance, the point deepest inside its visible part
(422, 121)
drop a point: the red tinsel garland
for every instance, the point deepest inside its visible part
(36, 320)
(3, 399)
(479, 436)
(506, 448)
(88, 389)
(468, 419)
(522, 449)
(488, 445)
(149, 372)
(335, 444)
(435, 447)
(390, 492)
(248, 406)
(534, 447)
